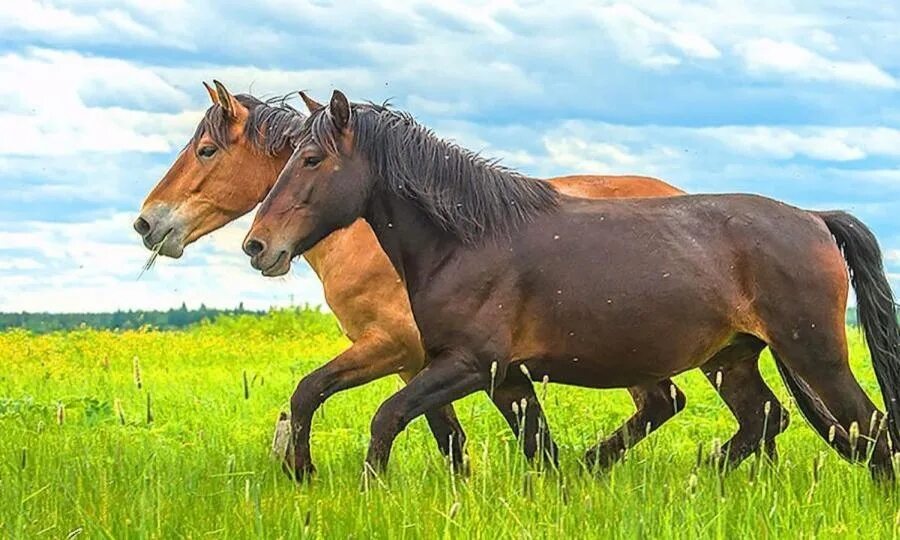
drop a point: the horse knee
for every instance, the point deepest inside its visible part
(308, 395)
(389, 420)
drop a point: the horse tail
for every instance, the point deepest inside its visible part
(876, 307)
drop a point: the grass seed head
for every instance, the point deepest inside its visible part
(854, 434)
(873, 423)
(693, 480)
(136, 369)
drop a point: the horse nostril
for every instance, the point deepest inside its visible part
(142, 226)
(254, 247)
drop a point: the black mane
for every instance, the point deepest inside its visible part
(271, 125)
(462, 192)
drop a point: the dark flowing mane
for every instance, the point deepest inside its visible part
(271, 125)
(462, 192)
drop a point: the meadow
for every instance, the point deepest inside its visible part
(150, 434)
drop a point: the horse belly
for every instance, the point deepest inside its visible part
(605, 335)
(625, 362)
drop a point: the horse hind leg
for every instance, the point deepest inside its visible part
(820, 359)
(656, 403)
(734, 372)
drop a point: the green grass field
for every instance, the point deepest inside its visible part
(77, 454)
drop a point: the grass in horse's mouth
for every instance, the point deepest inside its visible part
(155, 253)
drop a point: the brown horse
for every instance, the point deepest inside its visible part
(504, 273)
(231, 163)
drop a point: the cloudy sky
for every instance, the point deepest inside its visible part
(795, 100)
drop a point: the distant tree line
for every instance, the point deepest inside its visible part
(164, 320)
(119, 320)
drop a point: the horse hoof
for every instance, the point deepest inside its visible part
(461, 468)
(721, 461)
(300, 474)
(601, 460)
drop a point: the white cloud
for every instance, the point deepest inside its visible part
(581, 156)
(783, 143)
(42, 17)
(53, 118)
(270, 82)
(646, 40)
(94, 266)
(819, 143)
(21, 264)
(56, 80)
(109, 131)
(103, 22)
(767, 56)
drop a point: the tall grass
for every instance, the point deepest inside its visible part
(79, 453)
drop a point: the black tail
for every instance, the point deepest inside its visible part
(875, 306)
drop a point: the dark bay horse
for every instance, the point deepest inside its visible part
(504, 273)
(231, 163)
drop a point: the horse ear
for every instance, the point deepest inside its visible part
(311, 104)
(340, 110)
(227, 101)
(212, 93)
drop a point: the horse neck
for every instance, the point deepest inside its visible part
(329, 253)
(410, 239)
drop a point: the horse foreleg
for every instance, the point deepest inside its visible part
(448, 377)
(519, 405)
(371, 357)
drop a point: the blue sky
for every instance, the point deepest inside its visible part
(798, 100)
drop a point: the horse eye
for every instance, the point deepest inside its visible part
(207, 151)
(311, 161)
